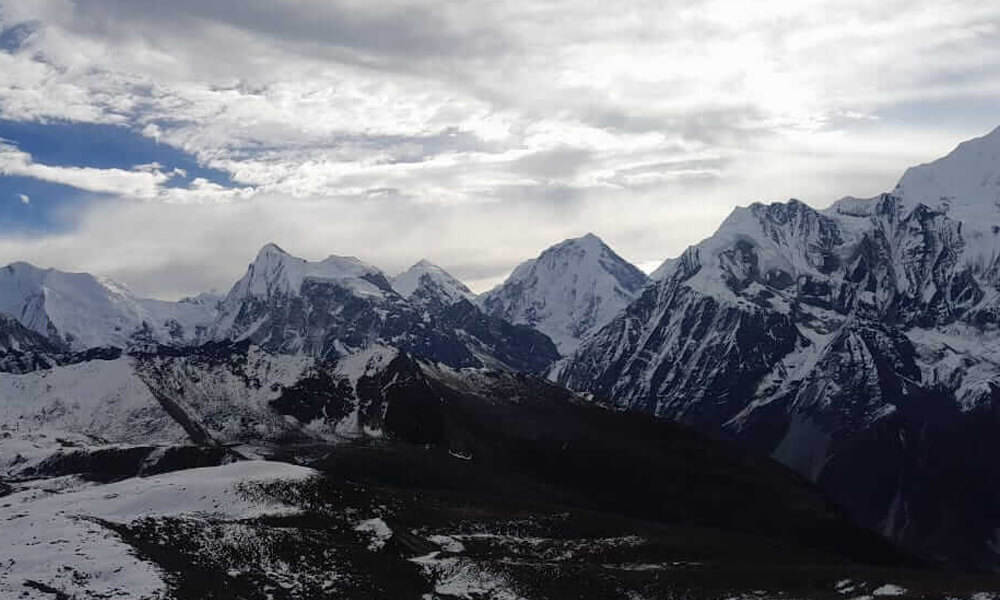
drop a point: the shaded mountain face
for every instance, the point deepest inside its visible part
(570, 291)
(340, 306)
(965, 185)
(519, 436)
(285, 304)
(855, 344)
(494, 341)
(23, 350)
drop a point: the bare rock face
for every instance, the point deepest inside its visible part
(856, 344)
(339, 306)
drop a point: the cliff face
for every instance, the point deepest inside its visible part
(856, 344)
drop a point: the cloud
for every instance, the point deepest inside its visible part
(138, 184)
(143, 182)
(477, 133)
(373, 31)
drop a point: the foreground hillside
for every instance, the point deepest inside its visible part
(449, 484)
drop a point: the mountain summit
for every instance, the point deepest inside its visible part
(856, 344)
(426, 283)
(570, 291)
(77, 311)
(275, 272)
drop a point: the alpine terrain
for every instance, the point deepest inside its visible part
(324, 430)
(856, 344)
(570, 291)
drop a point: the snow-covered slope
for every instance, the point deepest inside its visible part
(62, 543)
(80, 311)
(214, 394)
(104, 399)
(965, 185)
(427, 283)
(853, 344)
(570, 291)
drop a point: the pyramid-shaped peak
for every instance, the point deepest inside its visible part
(588, 240)
(434, 280)
(572, 289)
(271, 249)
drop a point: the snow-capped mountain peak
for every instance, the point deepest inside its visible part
(966, 179)
(276, 272)
(79, 310)
(848, 343)
(425, 281)
(569, 291)
(964, 185)
(784, 240)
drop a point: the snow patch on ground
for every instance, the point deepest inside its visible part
(889, 589)
(57, 539)
(365, 363)
(378, 531)
(461, 578)
(448, 543)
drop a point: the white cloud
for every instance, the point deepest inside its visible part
(138, 184)
(477, 133)
(143, 182)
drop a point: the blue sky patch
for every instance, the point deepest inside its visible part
(101, 147)
(66, 144)
(50, 207)
(12, 38)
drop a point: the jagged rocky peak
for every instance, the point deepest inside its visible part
(768, 244)
(203, 299)
(426, 282)
(570, 291)
(850, 343)
(340, 305)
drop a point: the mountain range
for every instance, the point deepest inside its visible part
(856, 345)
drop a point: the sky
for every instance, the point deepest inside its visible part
(162, 143)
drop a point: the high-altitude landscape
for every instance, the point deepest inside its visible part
(803, 405)
(510, 300)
